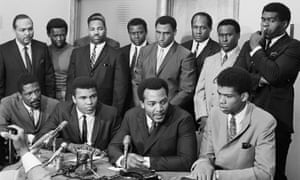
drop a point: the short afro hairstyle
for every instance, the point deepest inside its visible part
(56, 23)
(206, 15)
(167, 20)
(284, 13)
(83, 82)
(153, 84)
(24, 79)
(235, 77)
(96, 16)
(137, 21)
(230, 22)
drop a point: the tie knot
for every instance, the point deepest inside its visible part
(25, 48)
(84, 117)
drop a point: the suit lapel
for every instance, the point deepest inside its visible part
(86, 57)
(17, 54)
(168, 57)
(101, 56)
(158, 132)
(223, 131)
(143, 125)
(75, 124)
(23, 110)
(97, 125)
(245, 121)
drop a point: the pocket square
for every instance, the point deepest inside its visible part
(246, 145)
(106, 65)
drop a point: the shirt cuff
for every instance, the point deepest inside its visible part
(29, 161)
(118, 162)
(146, 162)
(255, 50)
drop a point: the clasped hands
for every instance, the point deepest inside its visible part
(134, 161)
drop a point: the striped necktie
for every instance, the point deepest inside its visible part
(27, 59)
(93, 57)
(232, 128)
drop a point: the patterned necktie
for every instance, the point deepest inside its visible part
(93, 57)
(31, 114)
(153, 126)
(133, 61)
(232, 128)
(159, 59)
(224, 59)
(27, 59)
(84, 129)
(196, 50)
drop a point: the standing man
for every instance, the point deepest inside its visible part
(163, 136)
(26, 108)
(273, 59)
(102, 63)
(239, 138)
(60, 52)
(86, 39)
(202, 45)
(137, 30)
(24, 54)
(206, 95)
(168, 60)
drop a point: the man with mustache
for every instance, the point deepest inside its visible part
(24, 54)
(163, 135)
(102, 63)
(206, 96)
(26, 108)
(273, 59)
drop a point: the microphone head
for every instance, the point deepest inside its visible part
(126, 140)
(62, 125)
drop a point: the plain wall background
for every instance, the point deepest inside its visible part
(249, 17)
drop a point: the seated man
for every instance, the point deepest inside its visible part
(163, 135)
(238, 141)
(26, 108)
(89, 121)
(31, 164)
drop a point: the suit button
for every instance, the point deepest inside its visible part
(91, 74)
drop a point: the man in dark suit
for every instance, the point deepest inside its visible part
(137, 30)
(169, 61)
(86, 39)
(163, 136)
(89, 121)
(201, 45)
(26, 108)
(102, 63)
(273, 58)
(24, 54)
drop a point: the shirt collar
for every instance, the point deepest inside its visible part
(101, 45)
(239, 116)
(80, 114)
(229, 53)
(142, 45)
(166, 49)
(28, 108)
(203, 43)
(21, 46)
(275, 39)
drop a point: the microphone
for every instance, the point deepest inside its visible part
(60, 149)
(46, 137)
(126, 144)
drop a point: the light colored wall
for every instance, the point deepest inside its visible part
(39, 10)
(249, 18)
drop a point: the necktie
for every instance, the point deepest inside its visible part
(153, 126)
(159, 59)
(133, 61)
(84, 129)
(27, 59)
(196, 50)
(93, 57)
(232, 128)
(224, 59)
(32, 116)
(267, 45)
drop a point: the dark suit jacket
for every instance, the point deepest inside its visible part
(86, 41)
(105, 125)
(279, 66)
(172, 145)
(12, 66)
(210, 49)
(177, 69)
(109, 72)
(13, 111)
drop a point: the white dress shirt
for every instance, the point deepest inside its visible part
(132, 49)
(22, 51)
(90, 119)
(201, 46)
(238, 119)
(99, 48)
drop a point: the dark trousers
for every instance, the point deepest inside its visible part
(283, 141)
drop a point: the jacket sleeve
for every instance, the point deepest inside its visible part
(71, 74)
(49, 75)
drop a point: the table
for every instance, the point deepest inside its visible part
(103, 167)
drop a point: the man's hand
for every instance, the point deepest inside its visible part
(134, 161)
(262, 82)
(202, 123)
(19, 139)
(202, 170)
(256, 38)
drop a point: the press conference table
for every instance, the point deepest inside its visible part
(104, 168)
